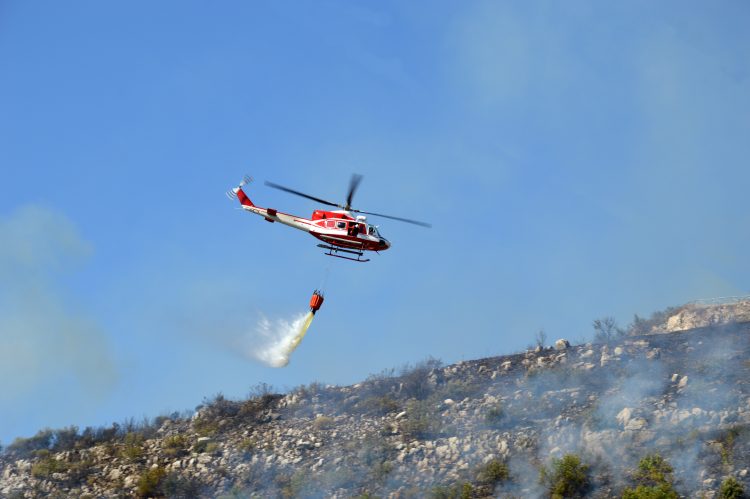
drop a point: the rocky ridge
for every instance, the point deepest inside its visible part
(487, 426)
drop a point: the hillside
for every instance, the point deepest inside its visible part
(582, 417)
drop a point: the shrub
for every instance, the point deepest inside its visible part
(247, 444)
(292, 485)
(727, 441)
(175, 446)
(149, 484)
(494, 417)
(46, 466)
(493, 472)
(176, 486)
(323, 423)
(653, 470)
(26, 446)
(606, 330)
(654, 475)
(65, 438)
(205, 446)
(415, 381)
(378, 404)
(381, 470)
(567, 477)
(133, 447)
(206, 426)
(420, 422)
(663, 491)
(456, 390)
(731, 489)
(457, 491)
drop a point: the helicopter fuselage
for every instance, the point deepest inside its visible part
(337, 228)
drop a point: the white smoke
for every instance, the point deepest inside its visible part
(272, 342)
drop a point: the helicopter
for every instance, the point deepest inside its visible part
(339, 230)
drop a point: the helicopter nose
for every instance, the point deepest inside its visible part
(385, 243)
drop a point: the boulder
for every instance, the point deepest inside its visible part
(624, 416)
(562, 344)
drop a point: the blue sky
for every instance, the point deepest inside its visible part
(577, 160)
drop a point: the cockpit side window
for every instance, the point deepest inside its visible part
(341, 225)
(371, 230)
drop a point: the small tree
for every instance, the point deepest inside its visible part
(606, 329)
(567, 477)
(654, 478)
(541, 339)
(639, 326)
(731, 489)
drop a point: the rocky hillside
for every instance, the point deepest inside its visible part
(658, 415)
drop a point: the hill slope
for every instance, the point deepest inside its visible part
(482, 428)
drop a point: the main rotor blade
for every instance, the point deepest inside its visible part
(353, 184)
(302, 194)
(407, 220)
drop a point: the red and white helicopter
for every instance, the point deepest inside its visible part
(342, 232)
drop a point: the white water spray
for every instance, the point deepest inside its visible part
(272, 342)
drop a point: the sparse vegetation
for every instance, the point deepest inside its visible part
(731, 489)
(323, 423)
(458, 491)
(415, 382)
(149, 484)
(46, 465)
(606, 330)
(205, 445)
(654, 478)
(566, 477)
(132, 449)
(495, 416)
(541, 339)
(175, 446)
(421, 422)
(727, 441)
(653, 469)
(325, 440)
(492, 473)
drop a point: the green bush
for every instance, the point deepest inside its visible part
(420, 423)
(663, 491)
(46, 466)
(567, 477)
(149, 484)
(493, 472)
(653, 470)
(175, 446)
(654, 476)
(24, 447)
(457, 491)
(206, 426)
(175, 486)
(731, 489)
(133, 447)
(206, 446)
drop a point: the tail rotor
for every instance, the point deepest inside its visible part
(232, 193)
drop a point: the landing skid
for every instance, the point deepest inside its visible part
(333, 249)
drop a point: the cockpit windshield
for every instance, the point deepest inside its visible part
(372, 230)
